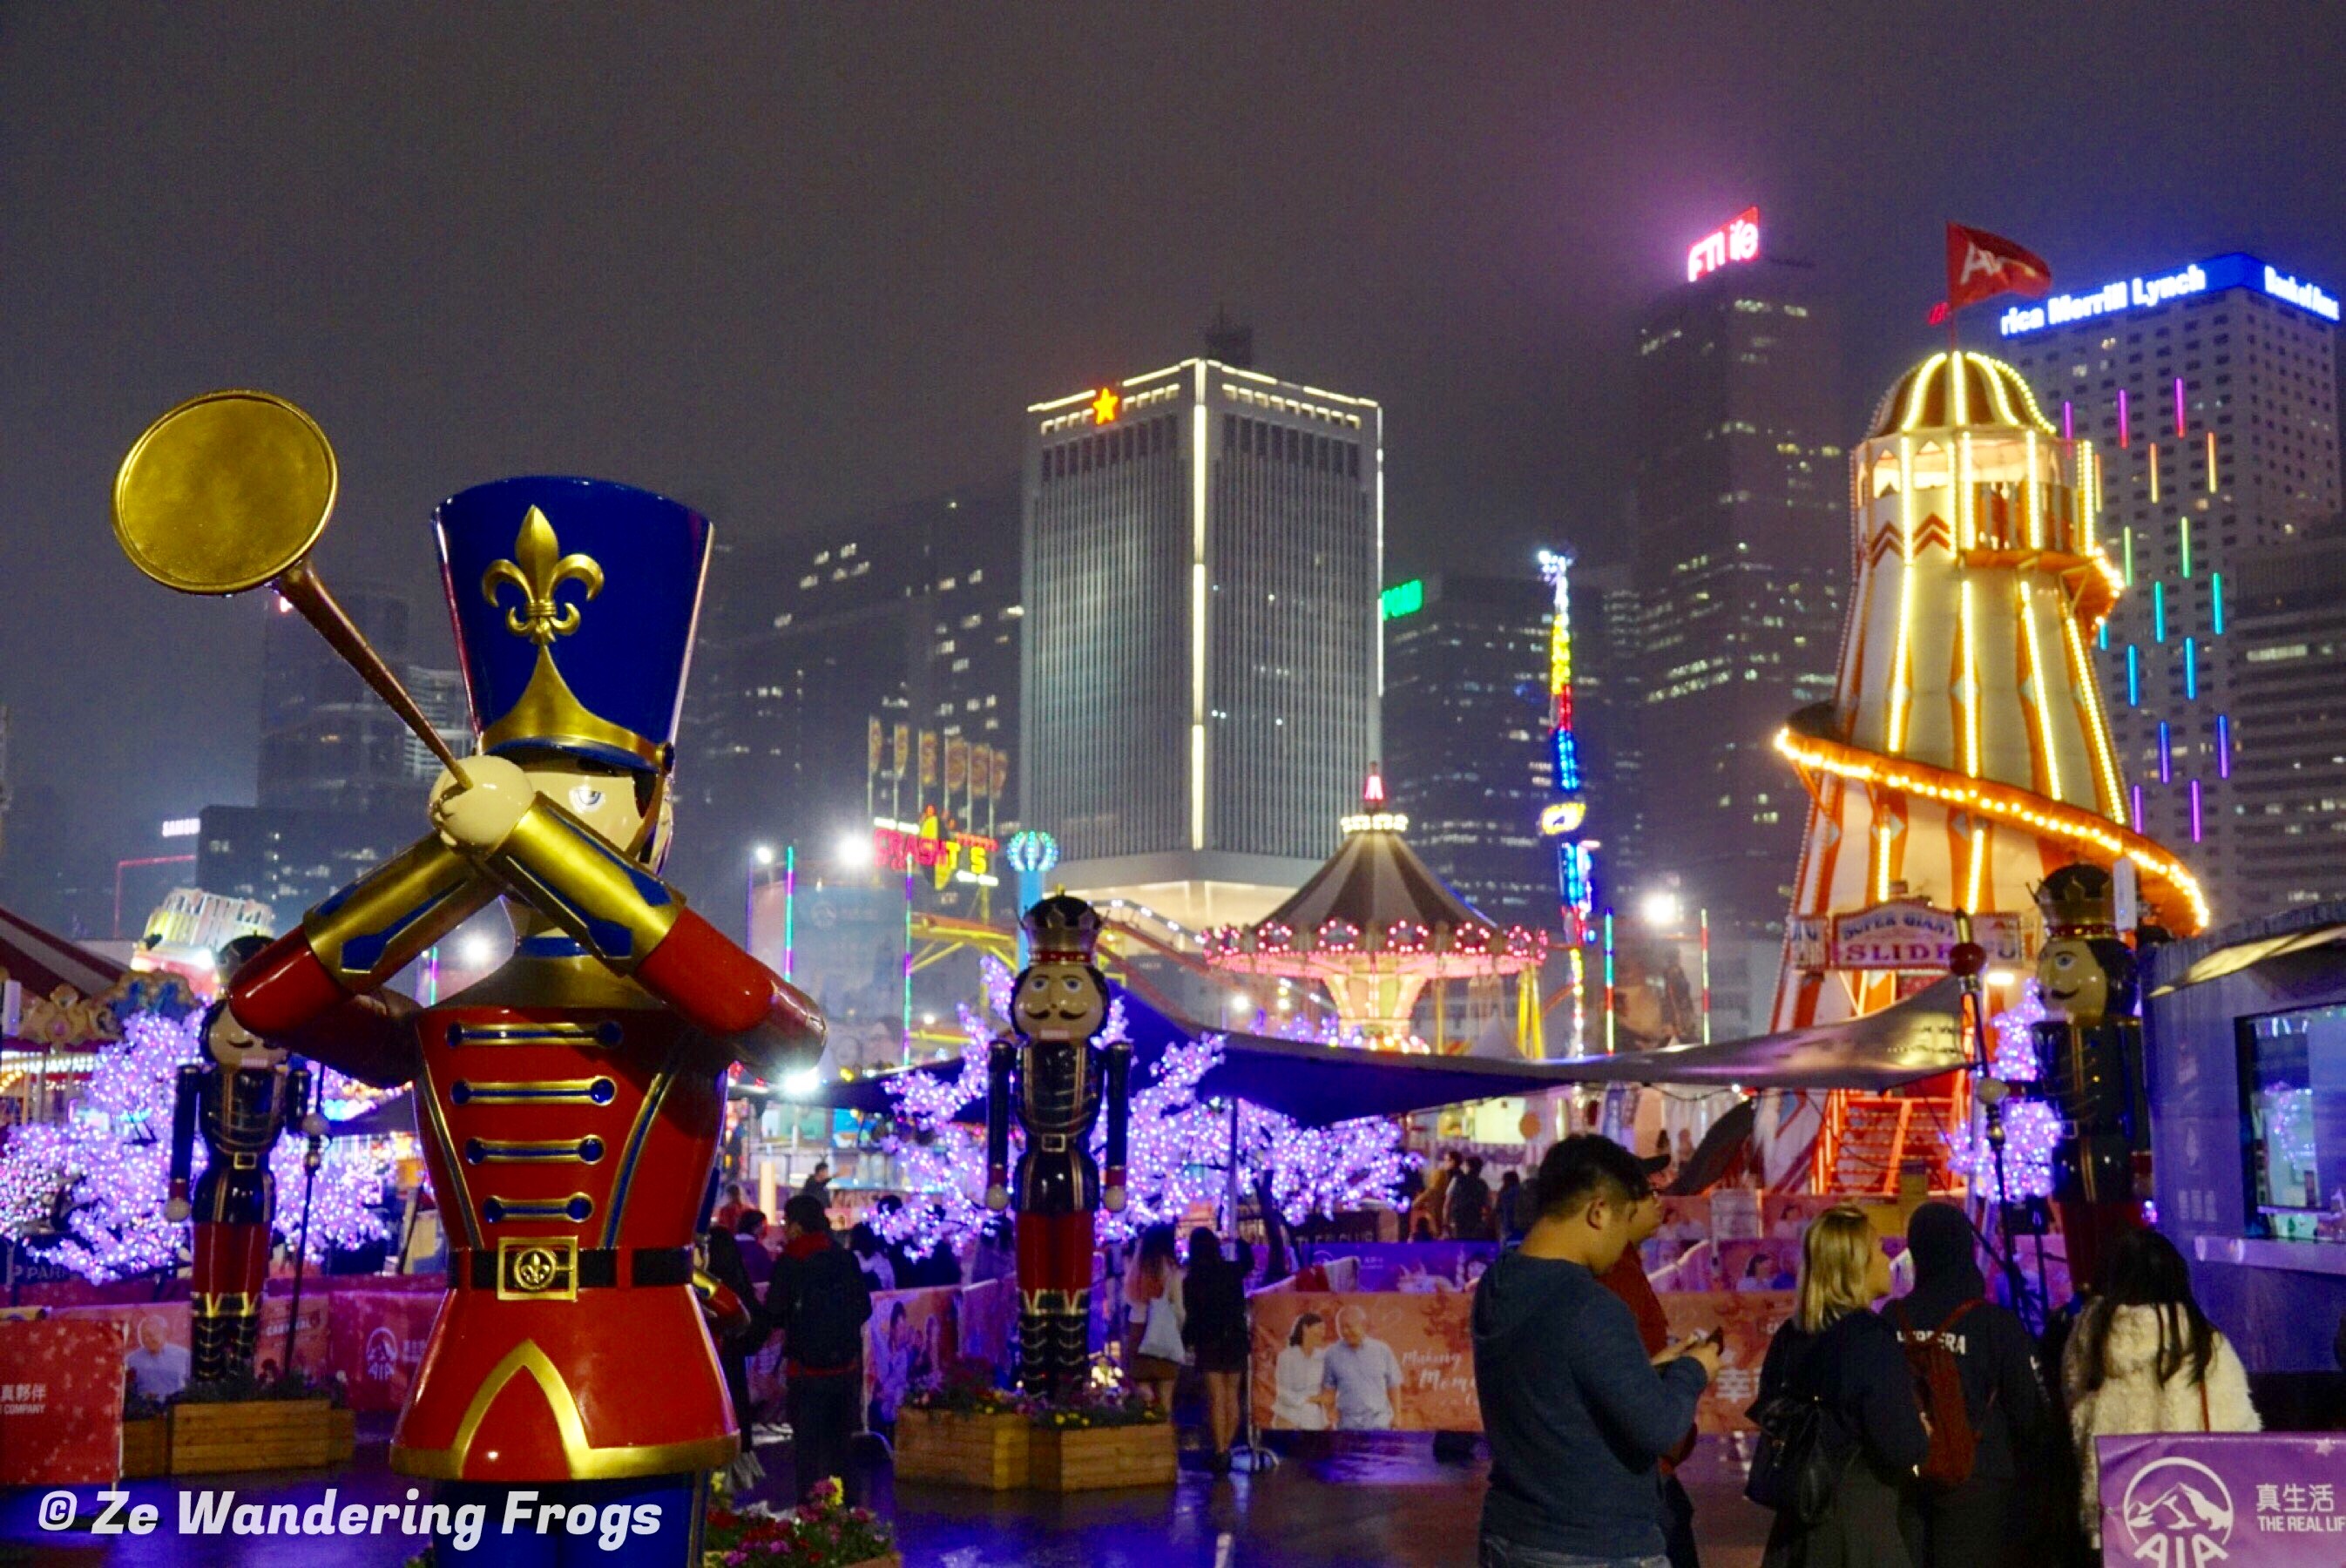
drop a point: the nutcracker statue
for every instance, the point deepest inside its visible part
(2090, 1054)
(569, 1103)
(241, 1101)
(1058, 1006)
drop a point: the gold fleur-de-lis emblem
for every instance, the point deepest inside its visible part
(538, 568)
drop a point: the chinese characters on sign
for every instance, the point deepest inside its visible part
(2184, 1500)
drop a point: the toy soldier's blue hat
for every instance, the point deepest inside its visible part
(575, 601)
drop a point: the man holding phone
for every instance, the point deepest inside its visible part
(1575, 1412)
(1627, 1278)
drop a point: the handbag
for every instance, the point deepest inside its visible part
(1161, 1336)
(1792, 1471)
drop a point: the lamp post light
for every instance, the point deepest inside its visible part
(762, 858)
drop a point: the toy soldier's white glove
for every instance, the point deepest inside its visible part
(475, 806)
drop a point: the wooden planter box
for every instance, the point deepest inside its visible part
(147, 1448)
(1097, 1458)
(954, 1450)
(260, 1434)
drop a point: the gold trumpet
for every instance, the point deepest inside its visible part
(232, 490)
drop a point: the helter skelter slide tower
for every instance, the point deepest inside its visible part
(1966, 753)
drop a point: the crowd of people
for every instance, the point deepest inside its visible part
(1915, 1433)
(1453, 1202)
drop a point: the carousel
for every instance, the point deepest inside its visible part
(1374, 927)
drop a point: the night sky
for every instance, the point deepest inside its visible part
(788, 263)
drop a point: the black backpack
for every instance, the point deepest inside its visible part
(828, 1305)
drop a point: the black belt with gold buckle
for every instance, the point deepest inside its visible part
(598, 1268)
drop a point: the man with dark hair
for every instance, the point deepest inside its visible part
(1627, 1278)
(818, 1299)
(1575, 1412)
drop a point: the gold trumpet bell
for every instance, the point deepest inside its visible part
(231, 490)
(227, 492)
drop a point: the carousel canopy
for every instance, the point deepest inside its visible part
(41, 963)
(1374, 903)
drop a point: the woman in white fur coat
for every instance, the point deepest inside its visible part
(2144, 1358)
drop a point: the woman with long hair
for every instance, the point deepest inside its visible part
(1152, 1290)
(1215, 1296)
(2144, 1359)
(1837, 1353)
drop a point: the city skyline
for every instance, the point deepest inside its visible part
(1477, 258)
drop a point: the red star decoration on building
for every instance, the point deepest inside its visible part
(1104, 406)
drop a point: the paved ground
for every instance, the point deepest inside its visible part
(1384, 1500)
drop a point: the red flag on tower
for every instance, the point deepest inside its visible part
(1981, 266)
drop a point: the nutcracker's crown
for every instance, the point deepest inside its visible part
(1063, 930)
(2078, 901)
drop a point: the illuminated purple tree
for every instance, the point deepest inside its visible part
(88, 1192)
(1179, 1148)
(2031, 1127)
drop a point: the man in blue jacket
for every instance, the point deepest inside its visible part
(1574, 1411)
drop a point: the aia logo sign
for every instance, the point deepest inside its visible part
(2179, 1514)
(382, 1355)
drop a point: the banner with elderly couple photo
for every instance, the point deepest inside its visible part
(1403, 1360)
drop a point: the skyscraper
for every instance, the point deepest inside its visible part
(2210, 394)
(2290, 617)
(903, 619)
(1741, 549)
(342, 782)
(1203, 551)
(1467, 756)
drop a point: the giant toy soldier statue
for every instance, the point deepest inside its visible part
(2090, 1054)
(569, 1103)
(1058, 1006)
(241, 1101)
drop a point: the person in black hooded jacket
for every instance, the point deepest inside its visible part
(1982, 1523)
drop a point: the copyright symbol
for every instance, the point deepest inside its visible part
(57, 1510)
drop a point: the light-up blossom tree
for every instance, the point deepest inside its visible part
(88, 1192)
(1179, 1148)
(2032, 1128)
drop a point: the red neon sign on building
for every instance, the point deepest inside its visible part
(1736, 239)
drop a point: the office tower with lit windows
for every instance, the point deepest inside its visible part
(1203, 555)
(1466, 727)
(2210, 391)
(901, 620)
(1742, 550)
(342, 782)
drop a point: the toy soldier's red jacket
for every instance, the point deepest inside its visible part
(570, 1106)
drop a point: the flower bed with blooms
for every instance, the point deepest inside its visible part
(821, 1532)
(967, 1389)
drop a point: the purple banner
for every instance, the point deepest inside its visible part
(1429, 1266)
(2251, 1500)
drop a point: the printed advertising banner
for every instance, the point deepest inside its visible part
(60, 1404)
(1750, 1319)
(1408, 1364)
(2250, 1500)
(155, 1340)
(1373, 1361)
(377, 1342)
(911, 1336)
